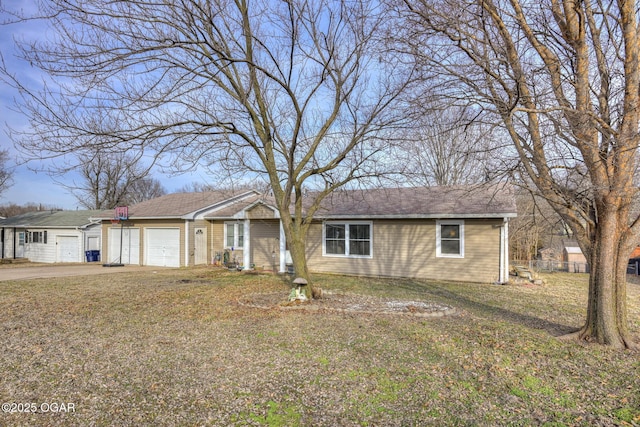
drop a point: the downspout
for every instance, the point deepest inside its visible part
(283, 250)
(246, 245)
(14, 243)
(504, 251)
(186, 243)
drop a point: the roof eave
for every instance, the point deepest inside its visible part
(421, 216)
(137, 218)
(220, 205)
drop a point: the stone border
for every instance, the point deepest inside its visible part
(444, 311)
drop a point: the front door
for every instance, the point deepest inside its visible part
(201, 246)
(20, 247)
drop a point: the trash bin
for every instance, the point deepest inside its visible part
(92, 256)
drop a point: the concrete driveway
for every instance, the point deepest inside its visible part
(59, 270)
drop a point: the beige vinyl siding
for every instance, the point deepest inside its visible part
(265, 242)
(407, 248)
(260, 212)
(218, 243)
(217, 236)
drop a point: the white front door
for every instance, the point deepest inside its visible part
(20, 247)
(201, 246)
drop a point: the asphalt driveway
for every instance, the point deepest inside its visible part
(59, 270)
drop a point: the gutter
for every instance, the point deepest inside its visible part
(399, 216)
(419, 216)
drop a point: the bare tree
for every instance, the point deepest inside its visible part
(445, 147)
(197, 187)
(144, 189)
(563, 79)
(535, 226)
(12, 209)
(300, 92)
(113, 179)
(5, 171)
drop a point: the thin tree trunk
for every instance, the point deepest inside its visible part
(299, 257)
(296, 235)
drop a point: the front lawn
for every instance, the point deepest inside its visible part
(174, 347)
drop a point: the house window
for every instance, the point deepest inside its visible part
(347, 239)
(234, 235)
(37, 237)
(450, 239)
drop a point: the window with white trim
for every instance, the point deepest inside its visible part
(450, 238)
(37, 237)
(351, 239)
(234, 235)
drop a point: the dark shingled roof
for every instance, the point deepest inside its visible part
(230, 210)
(51, 219)
(407, 202)
(176, 205)
(404, 202)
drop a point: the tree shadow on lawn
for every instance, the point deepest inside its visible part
(456, 299)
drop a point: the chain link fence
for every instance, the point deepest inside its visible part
(570, 267)
(550, 266)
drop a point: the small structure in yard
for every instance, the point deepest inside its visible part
(298, 293)
(574, 258)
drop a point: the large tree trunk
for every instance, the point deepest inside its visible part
(607, 305)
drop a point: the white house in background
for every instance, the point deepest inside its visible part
(50, 236)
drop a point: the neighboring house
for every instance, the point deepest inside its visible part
(443, 233)
(549, 254)
(50, 236)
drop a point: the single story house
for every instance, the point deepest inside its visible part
(50, 236)
(444, 233)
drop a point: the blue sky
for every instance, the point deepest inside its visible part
(29, 186)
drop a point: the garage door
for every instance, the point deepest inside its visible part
(68, 248)
(130, 238)
(162, 247)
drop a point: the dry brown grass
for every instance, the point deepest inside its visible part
(175, 348)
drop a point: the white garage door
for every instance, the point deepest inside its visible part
(130, 245)
(68, 248)
(162, 247)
